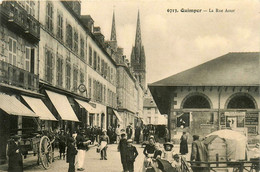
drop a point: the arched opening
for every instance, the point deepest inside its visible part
(241, 102)
(196, 102)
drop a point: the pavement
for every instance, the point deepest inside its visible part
(92, 161)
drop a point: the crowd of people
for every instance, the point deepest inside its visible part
(75, 144)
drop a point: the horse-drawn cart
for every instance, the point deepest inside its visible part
(37, 144)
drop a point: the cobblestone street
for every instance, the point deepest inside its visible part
(93, 162)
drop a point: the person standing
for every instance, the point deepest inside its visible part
(137, 134)
(15, 159)
(122, 149)
(184, 144)
(81, 146)
(110, 134)
(103, 141)
(118, 133)
(199, 153)
(131, 154)
(129, 132)
(62, 144)
(71, 154)
(166, 132)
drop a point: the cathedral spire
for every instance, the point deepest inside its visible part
(138, 38)
(113, 30)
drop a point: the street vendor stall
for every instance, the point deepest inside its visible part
(234, 144)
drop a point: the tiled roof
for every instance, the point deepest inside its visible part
(232, 69)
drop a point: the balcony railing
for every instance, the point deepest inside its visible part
(15, 14)
(18, 77)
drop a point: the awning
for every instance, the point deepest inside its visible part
(62, 105)
(118, 116)
(13, 106)
(39, 108)
(87, 106)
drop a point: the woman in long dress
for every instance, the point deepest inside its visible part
(184, 144)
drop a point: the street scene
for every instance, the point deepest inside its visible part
(144, 86)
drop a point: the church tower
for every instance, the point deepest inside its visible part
(113, 41)
(138, 56)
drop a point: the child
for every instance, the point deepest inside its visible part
(71, 153)
(131, 154)
(167, 163)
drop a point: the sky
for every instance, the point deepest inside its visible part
(174, 42)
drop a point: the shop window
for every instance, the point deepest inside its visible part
(196, 102)
(183, 120)
(241, 102)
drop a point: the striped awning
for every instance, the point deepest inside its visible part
(62, 105)
(12, 106)
(39, 108)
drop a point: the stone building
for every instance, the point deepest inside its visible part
(19, 74)
(129, 91)
(74, 66)
(151, 114)
(221, 93)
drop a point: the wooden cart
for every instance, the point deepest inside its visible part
(37, 144)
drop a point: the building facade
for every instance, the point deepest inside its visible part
(129, 90)
(151, 114)
(219, 94)
(75, 64)
(19, 75)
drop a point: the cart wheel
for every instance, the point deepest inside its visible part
(45, 152)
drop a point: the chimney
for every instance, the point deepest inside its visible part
(99, 36)
(88, 22)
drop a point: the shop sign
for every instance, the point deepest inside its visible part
(235, 113)
(251, 119)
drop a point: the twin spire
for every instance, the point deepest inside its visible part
(138, 38)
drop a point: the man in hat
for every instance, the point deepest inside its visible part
(15, 160)
(81, 146)
(131, 154)
(71, 153)
(129, 132)
(122, 149)
(103, 141)
(199, 153)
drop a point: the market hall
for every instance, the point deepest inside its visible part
(218, 94)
